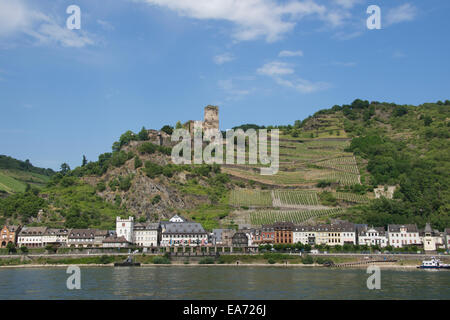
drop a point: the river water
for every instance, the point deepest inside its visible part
(221, 282)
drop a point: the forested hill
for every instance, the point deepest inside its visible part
(16, 175)
(405, 146)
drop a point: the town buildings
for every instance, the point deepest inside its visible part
(180, 232)
(9, 234)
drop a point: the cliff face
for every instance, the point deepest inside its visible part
(154, 198)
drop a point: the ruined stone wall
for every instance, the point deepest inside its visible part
(211, 118)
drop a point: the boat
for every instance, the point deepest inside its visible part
(127, 263)
(433, 264)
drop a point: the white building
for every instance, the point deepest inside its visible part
(447, 238)
(373, 237)
(31, 236)
(304, 235)
(179, 232)
(325, 234)
(124, 228)
(55, 236)
(403, 235)
(81, 238)
(146, 234)
(432, 239)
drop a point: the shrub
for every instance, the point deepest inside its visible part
(206, 260)
(307, 260)
(271, 261)
(161, 260)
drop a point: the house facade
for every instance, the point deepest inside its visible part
(31, 237)
(431, 239)
(57, 237)
(373, 237)
(81, 238)
(9, 234)
(115, 242)
(179, 232)
(240, 239)
(403, 235)
(283, 232)
(146, 234)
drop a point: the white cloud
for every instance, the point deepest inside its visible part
(302, 85)
(252, 19)
(223, 58)
(287, 53)
(405, 12)
(348, 4)
(279, 71)
(17, 18)
(105, 25)
(275, 68)
(232, 92)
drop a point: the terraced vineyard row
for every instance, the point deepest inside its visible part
(345, 178)
(296, 216)
(249, 198)
(351, 197)
(347, 164)
(295, 197)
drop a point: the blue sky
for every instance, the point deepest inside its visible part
(134, 63)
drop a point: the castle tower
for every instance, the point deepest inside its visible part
(124, 228)
(211, 118)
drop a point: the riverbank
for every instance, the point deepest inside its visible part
(256, 260)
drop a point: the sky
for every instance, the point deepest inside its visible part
(68, 93)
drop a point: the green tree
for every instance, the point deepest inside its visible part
(84, 162)
(11, 247)
(64, 168)
(143, 134)
(167, 129)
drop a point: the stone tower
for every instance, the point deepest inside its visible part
(211, 118)
(124, 228)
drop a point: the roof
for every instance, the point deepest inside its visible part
(380, 230)
(81, 233)
(12, 228)
(102, 233)
(56, 232)
(183, 227)
(334, 227)
(115, 240)
(32, 231)
(428, 228)
(146, 226)
(396, 227)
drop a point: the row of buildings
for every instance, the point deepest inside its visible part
(178, 232)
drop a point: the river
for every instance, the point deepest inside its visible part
(221, 282)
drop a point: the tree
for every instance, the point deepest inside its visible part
(167, 129)
(65, 168)
(143, 134)
(11, 247)
(84, 161)
(24, 249)
(179, 125)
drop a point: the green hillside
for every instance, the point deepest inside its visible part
(15, 175)
(367, 162)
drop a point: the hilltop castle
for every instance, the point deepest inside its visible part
(210, 121)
